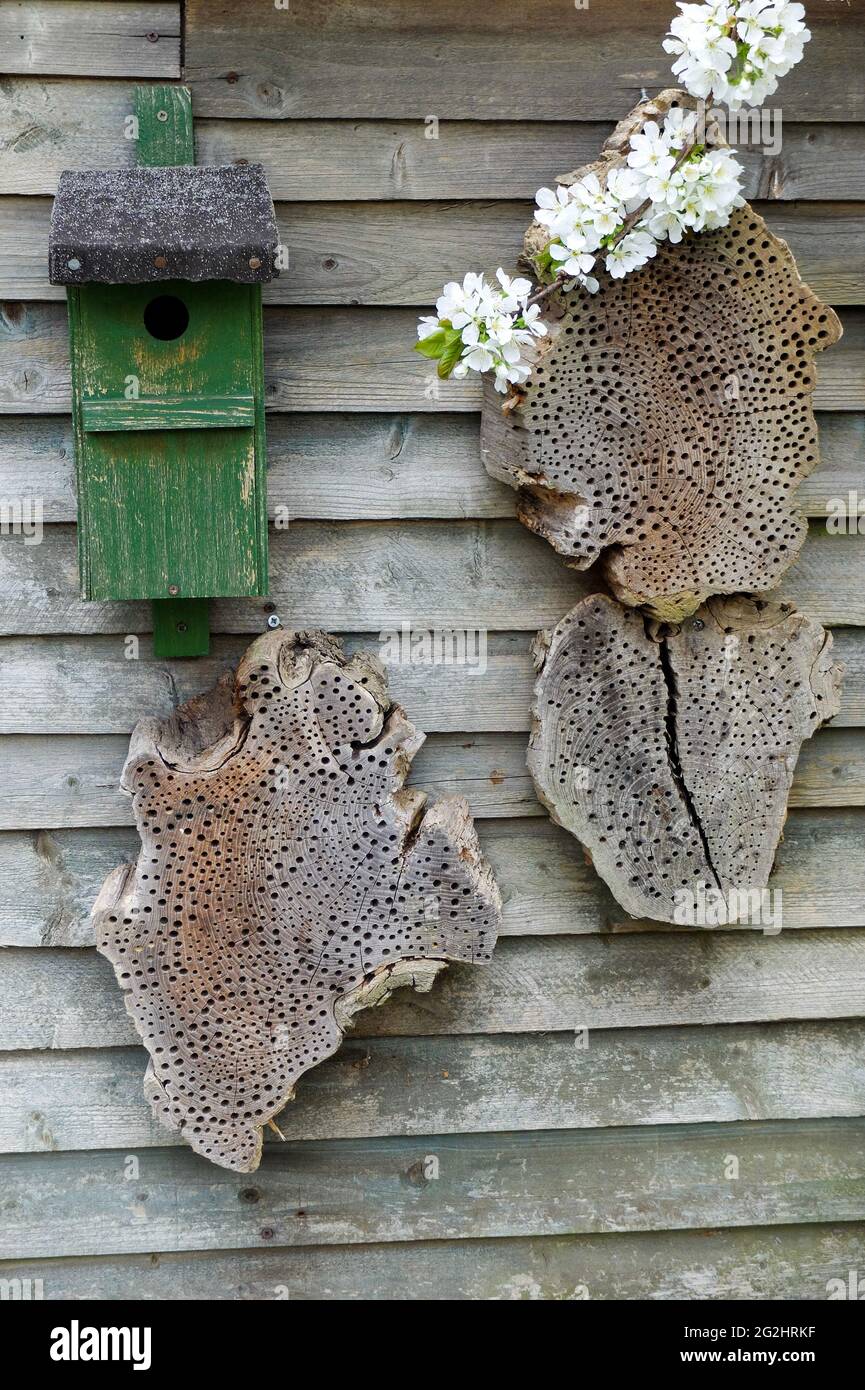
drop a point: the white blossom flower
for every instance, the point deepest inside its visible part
(650, 152)
(666, 225)
(631, 252)
(736, 51)
(484, 327)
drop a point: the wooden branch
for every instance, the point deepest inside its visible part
(669, 419)
(286, 881)
(670, 754)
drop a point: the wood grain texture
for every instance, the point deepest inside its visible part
(357, 1191)
(668, 418)
(403, 252)
(52, 1101)
(775, 1262)
(333, 359)
(530, 59)
(489, 692)
(95, 40)
(69, 999)
(64, 780)
(51, 124)
(49, 878)
(670, 754)
(302, 885)
(341, 467)
(466, 575)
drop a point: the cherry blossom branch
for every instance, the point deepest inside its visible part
(633, 217)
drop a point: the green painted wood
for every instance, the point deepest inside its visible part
(164, 126)
(168, 413)
(165, 514)
(181, 627)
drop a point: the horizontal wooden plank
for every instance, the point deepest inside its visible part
(515, 59)
(70, 999)
(64, 780)
(49, 878)
(355, 1191)
(48, 125)
(402, 253)
(375, 576)
(167, 413)
(334, 359)
(377, 467)
(363, 576)
(489, 691)
(94, 1099)
(104, 40)
(770, 1262)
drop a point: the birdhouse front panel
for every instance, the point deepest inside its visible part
(169, 421)
(163, 268)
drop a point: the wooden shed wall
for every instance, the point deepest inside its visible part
(562, 1172)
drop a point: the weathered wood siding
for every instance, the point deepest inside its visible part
(563, 1171)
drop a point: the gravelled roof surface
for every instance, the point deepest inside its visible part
(185, 222)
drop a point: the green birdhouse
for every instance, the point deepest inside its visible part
(163, 266)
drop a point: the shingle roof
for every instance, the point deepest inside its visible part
(184, 222)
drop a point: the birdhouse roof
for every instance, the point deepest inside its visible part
(183, 222)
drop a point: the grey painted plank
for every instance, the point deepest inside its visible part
(375, 576)
(93, 40)
(51, 124)
(488, 692)
(515, 59)
(749, 1263)
(63, 780)
(359, 359)
(50, 878)
(402, 253)
(377, 467)
(357, 1191)
(404, 1086)
(65, 999)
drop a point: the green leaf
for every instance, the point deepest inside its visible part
(434, 345)
(451, 354)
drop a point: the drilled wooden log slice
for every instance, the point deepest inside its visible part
(670, 753)
(669, 421)
(286, 880)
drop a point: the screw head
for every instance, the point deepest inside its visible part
(174, 590)
(273, 620)
(182, 627)
(73, 263)
(162, 115)
(698, 624)
(254, 263)
(152, 36)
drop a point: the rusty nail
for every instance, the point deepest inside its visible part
(254, 263)
(231, 77)
(174, 590)
(160, 262)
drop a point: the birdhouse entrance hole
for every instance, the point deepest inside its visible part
(166, 317)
